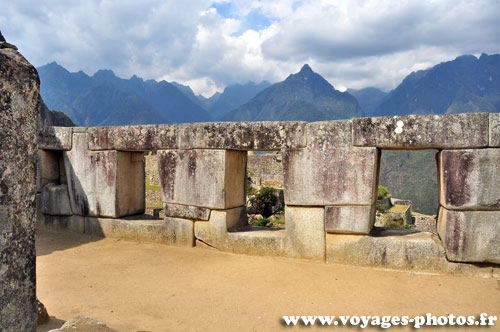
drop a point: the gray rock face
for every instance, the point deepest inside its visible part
(19, 89)
(470, 236)
(329, 171)
(452, 131)
(470, 179)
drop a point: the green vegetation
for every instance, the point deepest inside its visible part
(149, 186)
(266, 199)
(397, 224)
(382, 192)
(382, 207)
(398, 208)
(278, 223)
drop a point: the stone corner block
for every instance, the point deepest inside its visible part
(470, 236)
(213, 179)
(454, 131)
(305, 232)
(349, 219)
(55, 138)
(104, 183)
(55, 200)
(470, 179)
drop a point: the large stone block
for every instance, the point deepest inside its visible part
(494, 130)
(470, 236)
(305, 232)
(452, 131)
(133, 138)
(470, 179)
(55, 200)
(107, 183)
(186, 212)
(205, 178)
(172, 231)
(349, 219)
(55, 138)
(329, 171)
(242, 135)
(19, 94)
(398, 249)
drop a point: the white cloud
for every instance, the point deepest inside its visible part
(351, 43)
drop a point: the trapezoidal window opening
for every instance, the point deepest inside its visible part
(265, 201)
(408, 196)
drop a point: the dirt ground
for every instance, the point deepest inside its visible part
(151, 287)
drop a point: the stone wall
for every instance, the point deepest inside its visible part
(19, 91)
(330, 175)
(265, 166)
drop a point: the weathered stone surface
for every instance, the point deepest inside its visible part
(305, 232)
(133, 138)
(452, 131)
(107, 183)
(247, 240)
(84, 324)
(470, 236)
(242, 135)
(172, 231)
(398, 249)
(47, 170)
(42, 316)
(329, 171)
(215, 230)
(333, 176)
(470, 179)
(186, 212)
(55, 138)
(55, 200)
(19, 91)
(494, 130)
(74, 224)
(349, 219)
(205, 178)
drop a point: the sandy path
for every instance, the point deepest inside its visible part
(150, 287)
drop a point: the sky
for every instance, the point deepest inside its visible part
(209, 45)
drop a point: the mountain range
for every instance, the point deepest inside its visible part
(466, 84)
(303, 96)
